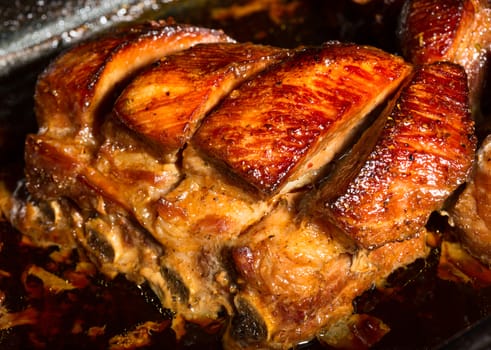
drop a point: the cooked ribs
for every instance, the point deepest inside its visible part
(220, 172)
(386, 188)
(460, 34)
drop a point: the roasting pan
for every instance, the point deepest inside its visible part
(450, 316)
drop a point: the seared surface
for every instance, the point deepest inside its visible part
(426, 38)
(82, 82)
(167, 103)
(277, 131)
(459, 33)
(422, 154)
(452, 30)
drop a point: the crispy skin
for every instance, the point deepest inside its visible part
(76, 86)
(298, 278)
(208, 245)
(458, 31)
(461, 34)
(278, 130)
(471, 213)
(166, 103)
(422, 153)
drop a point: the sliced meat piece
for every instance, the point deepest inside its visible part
(76, 86)
(277, 131)
(471, 213)
(461, 33)
(422, 152)
(296, 278)
(166, 103)
(452, 30)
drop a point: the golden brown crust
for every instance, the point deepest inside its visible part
(458, 31)
(424, 151)
(205, 245)
(278, 125)
(426, 38)
(73, 89)
(166, 103)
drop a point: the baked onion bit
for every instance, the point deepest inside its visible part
(13, 319)
(51, 282)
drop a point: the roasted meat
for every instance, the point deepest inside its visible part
(278, 131)
(167, 103)
(422, 146)
(452, 30)
(210, 170)
(460, 34)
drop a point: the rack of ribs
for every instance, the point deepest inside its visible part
(259, 187)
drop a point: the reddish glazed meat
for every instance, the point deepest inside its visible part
(422, 151)
(208, 178)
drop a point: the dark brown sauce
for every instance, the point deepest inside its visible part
(421, 309)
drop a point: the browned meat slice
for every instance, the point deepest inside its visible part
(452, 30)
(460, 33)
(471, 213)
(297, 278)
(277, 131)
(72, 91)
(166, 103)
(423, 152)
(71, 97)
